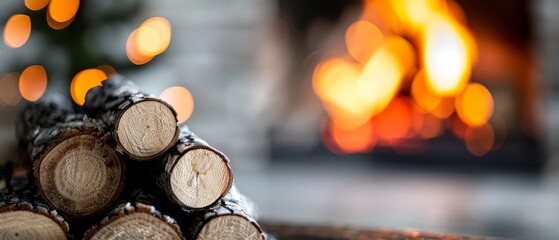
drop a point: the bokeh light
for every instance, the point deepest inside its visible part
(446, 57)
(17, 30)
(357, 140)
(394, 123)
(474, 105)
(33, 82)
(107, 69)
(382, 76)
(132, 50)
(36, 5)
(63, 10)
(422, 94)
(83, 81)
(57, 25)
(153, 36)
(362, 38)
(181, 100)
(9, 92)
(480, 140)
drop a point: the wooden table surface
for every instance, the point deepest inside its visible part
(283, 231)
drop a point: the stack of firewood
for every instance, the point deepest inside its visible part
(122, 169)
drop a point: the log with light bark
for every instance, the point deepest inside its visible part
(144, 127)
(138, 218)
(233, 218)
(193, 174)
(23, 215)
(76, 168)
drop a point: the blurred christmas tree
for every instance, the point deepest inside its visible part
(74, 45)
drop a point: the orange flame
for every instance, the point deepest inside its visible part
(359, 90)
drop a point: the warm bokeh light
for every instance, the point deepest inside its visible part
(63, 10)
(422, 94)
(382, 76)
(445, 108)
(446, 56)
(153, 36)
(362, 38)
(57, 25)
(132, 50)
(17, 30)
(9, 93)
(181, 100)
(36, 5)
(33, 82)
(107, 69)
(83, 81)
(414, 14)
(474, 105)
(480, 140)
(395, 122)
(432, 127)
(357, 140)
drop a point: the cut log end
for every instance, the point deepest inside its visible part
(146, 129)
(137, 222)
(230, 227)
(200, 177)
(80, 176)
(137, 226)
(22, 224)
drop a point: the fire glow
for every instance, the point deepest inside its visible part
(406, 72)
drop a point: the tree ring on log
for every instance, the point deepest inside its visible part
(137, 222)
(147, 129)
(230, 226)
(23, 224)
(200, 177)
(80, 175)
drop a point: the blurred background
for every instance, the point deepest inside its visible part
(436, 115)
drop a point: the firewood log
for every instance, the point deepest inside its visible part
(137, 218)
(23, 215)
(232, 218)
(193, 174)
(76, 168)
(144, 127)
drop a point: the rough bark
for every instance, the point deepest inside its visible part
(193, 174)
(22, 213)
(137, 218)
(144, 127)
(76, 167)
(233, 218)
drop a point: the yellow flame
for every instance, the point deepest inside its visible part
(415, 14)
(63, 10)
(383, 74)
(83, 82)
(446, 57)
(475, 105)
(33, 82)
(17, 30)
(181, 100)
